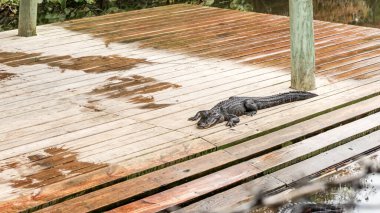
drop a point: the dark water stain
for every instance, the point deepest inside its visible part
(6, 75)
(12, 56)
(57, 164)
(146, 89)
(133, 88)
(11, 165)
(99, 64)
(367, 76)
(149, 100)
(93, 107)
(154, 106)
(121, 84)
(142, 99)
(88, 64)
(35, 157)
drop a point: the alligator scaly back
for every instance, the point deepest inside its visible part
(229, 110)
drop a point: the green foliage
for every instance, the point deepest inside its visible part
(243, 5)
(60, 10)
(50, 11)
(8, 14)
(9, 2)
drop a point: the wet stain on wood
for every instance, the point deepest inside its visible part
(6, 75)
(88, 64)
(366, 76)
(55, 165)
(150, 102)
(98, 64)
(154, 106)
(11, 165)
(118, 85)
(142, 99)
(92, 106)
(134, 88)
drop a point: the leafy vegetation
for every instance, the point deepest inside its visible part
(49, 11)
(8, 14)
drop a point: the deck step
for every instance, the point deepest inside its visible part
(232, 176)
(237, 197)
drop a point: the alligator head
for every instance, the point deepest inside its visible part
(209, 118)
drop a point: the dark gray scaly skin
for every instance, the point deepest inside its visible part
(230, 110)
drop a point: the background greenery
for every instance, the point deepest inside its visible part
(50, 11)
(361, 12)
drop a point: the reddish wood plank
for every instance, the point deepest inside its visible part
(267, 163)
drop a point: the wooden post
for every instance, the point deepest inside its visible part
(302, 44)
(27, 20)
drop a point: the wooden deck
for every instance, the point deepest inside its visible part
(93, 112)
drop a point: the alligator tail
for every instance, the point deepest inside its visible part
(274, 100)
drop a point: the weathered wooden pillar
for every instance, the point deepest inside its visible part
(302, 44)
(27, 20)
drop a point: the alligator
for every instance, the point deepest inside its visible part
(230, 110)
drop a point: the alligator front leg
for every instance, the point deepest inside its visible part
(251, 107)
(232, 120)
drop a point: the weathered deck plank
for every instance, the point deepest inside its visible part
(224, 157)
(100, 138)
(263, 164)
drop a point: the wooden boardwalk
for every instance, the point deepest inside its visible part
(93, 112)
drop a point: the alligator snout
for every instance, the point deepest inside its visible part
(202, 125)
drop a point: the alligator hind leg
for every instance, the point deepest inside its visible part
(232, 120)
(251, 107)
